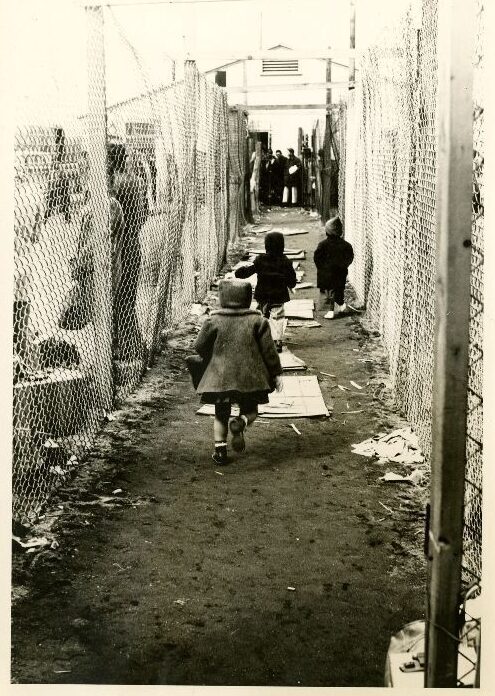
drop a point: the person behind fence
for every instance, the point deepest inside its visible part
(276, 275)
(332, 258)
(292, 178)
(238, 365)
(129, 191)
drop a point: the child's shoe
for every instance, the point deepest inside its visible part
(341, 308)
(330, 314)
(219, 456)
(237, 427)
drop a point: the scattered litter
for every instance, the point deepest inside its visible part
(54, 545)
(295, 429)
(343, 388)
(33, 543)
(289, 361)
(109, 417)
(386, 508)
(353, 308)
(299, 309)
(354, 384)
(304, 286)
(57, 470)
(390, 477)
(292, 589)
(400, 446)
(181, 602)
(349, 413)
(299, 323)
(219, 473)
(51, 444)
(73, 459)
(314, 214)
(117, 490)
(356, 350)
(62, 671)
(327, 374)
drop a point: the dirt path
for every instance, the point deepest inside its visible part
(184, 579)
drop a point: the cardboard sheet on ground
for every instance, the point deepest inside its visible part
(289, 361)
(304, 323)
(300, 398)
(289, 232)
(299, 309)
(290, 253)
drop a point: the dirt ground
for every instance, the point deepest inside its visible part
(183, 576)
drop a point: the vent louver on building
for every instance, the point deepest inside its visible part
(286, 67)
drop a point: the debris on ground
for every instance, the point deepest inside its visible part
(400, 446)
(198, 309)
(289, 361)
(355, 384)
(298, 432)
(304, 286)
(414, 478)
(299, 309)
(301, 323)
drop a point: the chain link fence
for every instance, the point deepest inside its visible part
(387, 198)
(121, 222)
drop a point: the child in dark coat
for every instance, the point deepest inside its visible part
(275, 275)
(242, 364)
(332, 258)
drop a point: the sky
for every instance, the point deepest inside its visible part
(142, 40)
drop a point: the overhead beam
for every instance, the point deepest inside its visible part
(285, 107)
(289, 87)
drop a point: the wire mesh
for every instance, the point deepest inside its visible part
(121, 222)
(388, 161)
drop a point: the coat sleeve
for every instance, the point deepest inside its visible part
(349, 254)
(245, 271)
(268, 350)
(290, 275)
(319, 255)
(206, 340)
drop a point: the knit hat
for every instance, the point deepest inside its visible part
(274, 243)
(334, 227)
(235, 294)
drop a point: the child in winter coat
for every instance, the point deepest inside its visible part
(332, 258)
(242, 364)
(275, 275)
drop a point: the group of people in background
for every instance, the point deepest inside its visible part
(280, 178)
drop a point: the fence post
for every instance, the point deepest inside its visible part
(449, 405)
(100, 208)
(352, 44)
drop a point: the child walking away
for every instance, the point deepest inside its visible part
(275, 275)
(332, 258)
(241, 364)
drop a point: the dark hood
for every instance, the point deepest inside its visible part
(274, 243)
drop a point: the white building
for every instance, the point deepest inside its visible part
(281, 94)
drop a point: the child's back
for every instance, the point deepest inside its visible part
(274, 270)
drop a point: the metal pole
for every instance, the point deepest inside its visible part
(449, 404)
(99, 201)
(352, 45)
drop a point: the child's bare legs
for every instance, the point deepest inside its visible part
(276, 321)
(220, 431)
(248, 413)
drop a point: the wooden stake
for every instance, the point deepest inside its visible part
(449, 405)
(99, 202)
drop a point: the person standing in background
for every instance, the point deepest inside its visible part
(292, 178)
(129, 190)
(278, 169)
